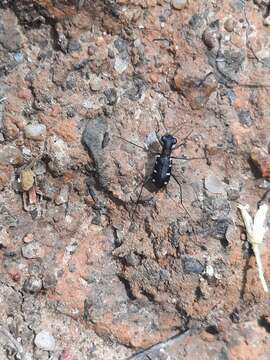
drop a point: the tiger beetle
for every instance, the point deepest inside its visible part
(162, 171)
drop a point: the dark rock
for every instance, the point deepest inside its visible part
(174, 235)
(196, 21)
(245, 118)
(81, 64)
(92, 138)
(233, 60)
(112, 8)
(111, 96)
(235, 316)
(233, 194)
(135, 91)
(192, 265)
(132, 260)
(210, 38)
(71, 81)
(70, 113)
(122, 46)
(74, 45)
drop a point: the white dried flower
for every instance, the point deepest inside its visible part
(255, 234)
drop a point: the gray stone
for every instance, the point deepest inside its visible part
(49, 281)
(245, 118)
(10, 35)
(192, 265)
(95, 82)
(10, 155)
(214, 185)
(74, 45)
(32, 285)
(93, 137)
(111, 96)
(31, 250)
(45, 341)
(230, 25)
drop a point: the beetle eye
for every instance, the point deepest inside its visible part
(162, 139)
(174, 141)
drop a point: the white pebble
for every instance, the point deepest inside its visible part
(35, 131)
(266, 21)
(179, 4)
(45, 341)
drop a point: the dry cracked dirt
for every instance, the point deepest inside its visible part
(85, 87)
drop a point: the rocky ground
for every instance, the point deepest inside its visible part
(85, 275)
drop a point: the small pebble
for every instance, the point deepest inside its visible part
(31, 250)
(179, 4)
(132, 260)
(11, 155)
(111, 96)
(45, 341)
(27, 179)
(266, 21)
(49, 281)
(27, 154)
(95, 83)
(35, 131)
(214, 185)
(245, 118)
(32, 285)
(210, 38)
(229, 25)
(74, 45)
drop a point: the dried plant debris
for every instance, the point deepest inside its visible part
(255, 234)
